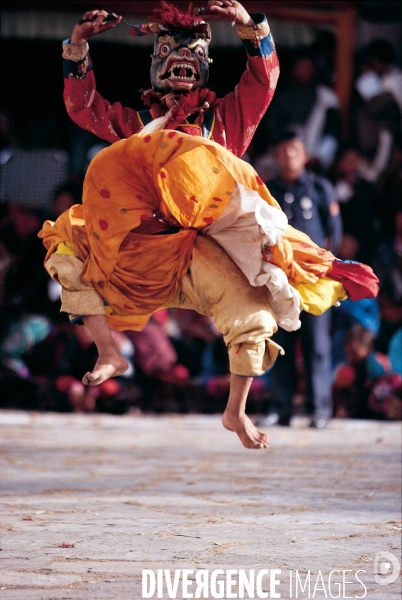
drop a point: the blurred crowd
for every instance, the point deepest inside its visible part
(179, 361)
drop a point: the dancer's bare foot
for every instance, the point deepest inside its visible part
(106, 366)
(110, 362)
(249, 435)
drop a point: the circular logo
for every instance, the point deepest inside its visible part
(386, 568)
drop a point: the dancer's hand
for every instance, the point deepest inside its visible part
(228, 10)
(92, 23)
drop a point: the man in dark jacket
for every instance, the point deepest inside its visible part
(310, 206)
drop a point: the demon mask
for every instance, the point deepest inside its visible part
(180, 61)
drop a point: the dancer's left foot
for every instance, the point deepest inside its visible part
(105, 368)
(249, 435)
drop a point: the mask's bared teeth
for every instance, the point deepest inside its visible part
(182, 71)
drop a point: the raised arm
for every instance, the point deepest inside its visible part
(241, 110)
(227, 10)
(84, 104)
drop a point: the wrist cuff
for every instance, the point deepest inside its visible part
(254, 33)
(74, 52)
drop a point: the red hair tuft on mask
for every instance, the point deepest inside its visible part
(170, 17)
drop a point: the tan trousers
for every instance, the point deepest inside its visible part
(213, 286)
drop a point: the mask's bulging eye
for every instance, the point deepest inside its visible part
(164, 50)
(199, 51)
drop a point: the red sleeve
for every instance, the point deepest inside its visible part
(87, 108)
(241, 111)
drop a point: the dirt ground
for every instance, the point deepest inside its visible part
(89, 501)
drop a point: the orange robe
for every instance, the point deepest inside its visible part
(189, 180)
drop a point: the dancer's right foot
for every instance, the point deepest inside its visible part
(249, 435)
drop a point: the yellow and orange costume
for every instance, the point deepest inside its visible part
(140, 242)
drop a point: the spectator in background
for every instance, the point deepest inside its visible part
(388, 266)
(381, 59)
(358, 200)
(310, 109)
(161, 376)
(391, 191)
(196, 333)
(310, 204)
(155, 353)
(23, 285)
(75, 349)
(354, 380)
(365, 312)
(22, 334)
(41, 361)
(377, 110)
(23, 288)
(66, 195)
(395, 351)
